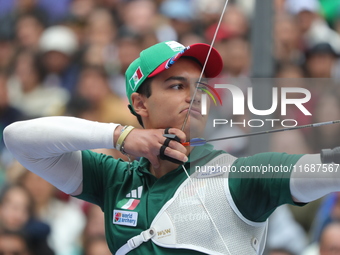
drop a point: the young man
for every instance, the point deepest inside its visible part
(154, 198)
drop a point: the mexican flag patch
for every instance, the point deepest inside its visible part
(135, 79)
(128, 204)
(131, 199)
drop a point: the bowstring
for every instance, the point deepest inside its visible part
(206, 210)
(187, 116)
(205, 64)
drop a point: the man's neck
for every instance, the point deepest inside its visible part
(164, 168)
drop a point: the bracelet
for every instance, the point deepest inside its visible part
(125, 131)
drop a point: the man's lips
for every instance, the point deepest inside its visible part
(193, 110)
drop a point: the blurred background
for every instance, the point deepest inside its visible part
(68, 57)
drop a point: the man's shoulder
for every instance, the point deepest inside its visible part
(99, 161)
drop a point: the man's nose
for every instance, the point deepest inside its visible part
(194, 93)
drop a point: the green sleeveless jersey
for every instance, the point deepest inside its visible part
(131, 197)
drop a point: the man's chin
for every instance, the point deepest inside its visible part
(194, 128)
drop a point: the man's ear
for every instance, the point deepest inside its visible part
(138, 103)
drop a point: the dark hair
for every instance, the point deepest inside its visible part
(145, 90)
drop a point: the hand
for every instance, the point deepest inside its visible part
(147, 143)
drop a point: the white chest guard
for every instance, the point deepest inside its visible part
(183, 222)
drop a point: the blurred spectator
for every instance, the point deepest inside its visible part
(58, 47)
(28, 31)
(96, 246)
(94, 222)
(329, 242)
(27, 93)
(237, 59)
(287, 40)
(56, 10)
(328, 212)
(192, 38)
(312, 27)
(291, 75)
(14, 243)
(139, 17)
(101, 47)
(21, 8)
(16, 214)
(234, 50)
(321, 61)
(81, 9)
(106, 106)
(293, 142)
(236, 20)
(290, 70)
(208, 11)
(101, 29)
(128, 49)
(180, 14)
(16, 208)
(285, 231)
(281, 251)
(66, 219)
(327, 108)
(7, 52)
(247, 6)
(8, 114)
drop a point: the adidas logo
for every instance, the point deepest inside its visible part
(131, 201)
(135, 193)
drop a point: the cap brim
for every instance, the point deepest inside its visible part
(200, 52)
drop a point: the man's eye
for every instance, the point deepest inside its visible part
(177, 86)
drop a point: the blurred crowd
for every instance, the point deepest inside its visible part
(68, 57)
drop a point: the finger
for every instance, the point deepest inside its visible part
(177, 146)
(162, 152)
(181, 135)
(175, 154)
(166, 131)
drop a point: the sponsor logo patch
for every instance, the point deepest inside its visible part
(164, 233)
(125, 218)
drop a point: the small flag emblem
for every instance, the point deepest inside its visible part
(135, 79)
(128, 204)
(132, 199)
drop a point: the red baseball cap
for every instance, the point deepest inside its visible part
(199, 51)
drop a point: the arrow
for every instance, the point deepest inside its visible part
(202, 141)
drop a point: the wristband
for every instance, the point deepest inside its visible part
(122, 137)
